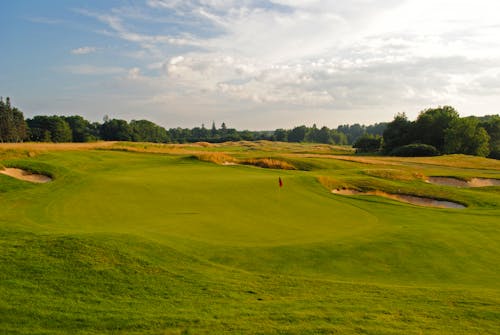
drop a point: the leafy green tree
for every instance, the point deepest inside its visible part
(223, 129)
(12, 124)
(116, 130)
(60, 130)
(464, 136)
(49, 129)
(81, 129)
(324, 135)
(247, 135)
(213, 130)
(431, 124)
(376, 129)
(338, 137)
(312, 134)
(280, 135)
(492, 127)
(352, 132)
(368, 143)
(297, 134)
(6, 121)
(397, 133)
(147, 131)
(20, 126)
(179, 135)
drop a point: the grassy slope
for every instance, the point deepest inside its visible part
(140, 243)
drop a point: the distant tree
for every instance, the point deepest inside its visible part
(338, 137)
(12, 124)
(280, 135)
(352, 132)
(464, 136)
(49, 129)
(297, 134)
(431, 124)
(213, 130)
(179, 135)
(200, 134)
(6, 122)
(81, 129)
(324, 135)
(95, 130)
(147, 131)
(228, 134)
(116, 130)
(492, 126)
(223, 129)
(60, 130)
(20, 126)
(397, 133)
(368, 143)
(312, 134)
(247, 135)
(376, 129)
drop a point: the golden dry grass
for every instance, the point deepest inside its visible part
(215, 157)
(203, 144)
(332, 183)
(44, 146)
(458, 161)
(269, 163)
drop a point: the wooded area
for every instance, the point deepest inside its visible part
(436, 131)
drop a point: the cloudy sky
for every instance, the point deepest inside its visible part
(254, 64)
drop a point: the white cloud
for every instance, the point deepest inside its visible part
(83, 50)
(362, 58)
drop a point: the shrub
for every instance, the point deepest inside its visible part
(415, 150)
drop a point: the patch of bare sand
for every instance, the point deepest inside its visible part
(474, 182)
(411, 199)
(25, 175)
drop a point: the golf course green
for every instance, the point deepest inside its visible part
(134, 238)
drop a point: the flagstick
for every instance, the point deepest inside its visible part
(280, 184)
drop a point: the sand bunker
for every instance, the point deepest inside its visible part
(25, 175)
(474, 182)
(410, 199)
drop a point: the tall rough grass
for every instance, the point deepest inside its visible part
(215, 157)
(332, 183)
(269, 163)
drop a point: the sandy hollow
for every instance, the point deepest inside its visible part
(411, 199)
(474, 182)
(25, 175)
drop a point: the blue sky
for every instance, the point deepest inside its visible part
(253, 64)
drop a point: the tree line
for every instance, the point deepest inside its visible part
(437, 131)
(43, 128)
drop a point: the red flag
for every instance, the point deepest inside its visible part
(280, 181)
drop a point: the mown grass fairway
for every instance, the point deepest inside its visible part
(148, 239)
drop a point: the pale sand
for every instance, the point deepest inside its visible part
(25, 175)
(414, 200)
(474, 182)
